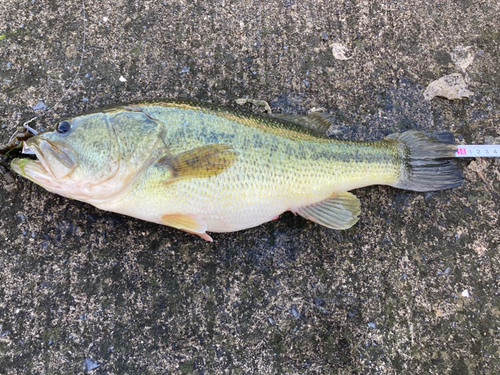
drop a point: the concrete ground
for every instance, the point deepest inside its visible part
(411, 289)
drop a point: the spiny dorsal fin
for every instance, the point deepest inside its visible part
(337, 212)
(204, 161)
(319, 122)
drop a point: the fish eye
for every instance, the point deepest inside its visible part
(64, 127)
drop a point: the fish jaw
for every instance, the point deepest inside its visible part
(33, 170)
(58, 160)
(53, 166)
(36, 171)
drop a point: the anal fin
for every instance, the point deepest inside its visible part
(188, 223)
(337, 212)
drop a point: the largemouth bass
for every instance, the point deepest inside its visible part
(201, 168)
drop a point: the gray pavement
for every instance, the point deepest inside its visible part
(411, 289)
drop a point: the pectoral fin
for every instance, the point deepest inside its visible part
(204, 161)
(337, 212)
(188, 223)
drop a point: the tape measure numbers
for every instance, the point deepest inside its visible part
(474, 151)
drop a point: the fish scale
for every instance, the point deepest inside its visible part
(262, 183)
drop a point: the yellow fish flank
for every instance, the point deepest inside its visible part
(202, 168)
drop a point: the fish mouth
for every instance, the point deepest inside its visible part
(54, 161)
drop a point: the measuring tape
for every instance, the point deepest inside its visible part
(474, 151)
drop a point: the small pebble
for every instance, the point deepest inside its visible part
(319, 302)
(40, 105)
(90, 364)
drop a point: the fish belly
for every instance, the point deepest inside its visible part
(245, 197)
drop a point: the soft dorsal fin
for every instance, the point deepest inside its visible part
(204, 161)
(318, 122)
(337, 212)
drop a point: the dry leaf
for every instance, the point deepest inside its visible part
(450, 87)
(255, 102)
(339, 51)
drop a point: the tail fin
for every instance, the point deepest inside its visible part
(425, 169)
